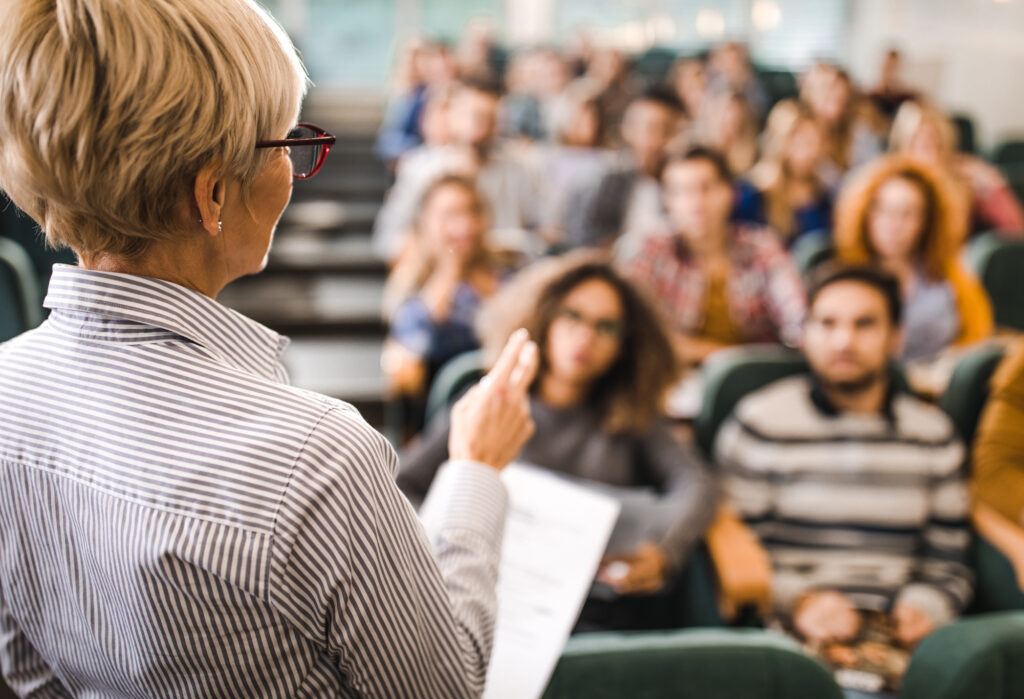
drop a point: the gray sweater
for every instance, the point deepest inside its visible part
(572, 441)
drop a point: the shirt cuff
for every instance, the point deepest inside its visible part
(469, 496)
(929, 600)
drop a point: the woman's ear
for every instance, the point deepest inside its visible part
(209, 192)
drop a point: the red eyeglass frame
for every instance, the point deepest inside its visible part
(321, 139)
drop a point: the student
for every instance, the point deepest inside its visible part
(900, 214)
(472, 151)
(727, 124)
(921, 131)
(998, 459)
(785, 189)
(719, 283)
(852, 135)
(606, 363)
(434, 291)
(856, 489)
(626, 199)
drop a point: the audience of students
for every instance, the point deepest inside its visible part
(900, 215)
(436, 287)
(706, 260)
(856, 488)
(605, 366)
(922, 132)
(718, 282)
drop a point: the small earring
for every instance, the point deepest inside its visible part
(220, 226)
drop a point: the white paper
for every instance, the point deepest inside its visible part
(555, 536)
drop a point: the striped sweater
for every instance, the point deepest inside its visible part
(874, 506)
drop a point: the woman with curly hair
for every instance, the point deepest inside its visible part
(901, 214)
(605, 366)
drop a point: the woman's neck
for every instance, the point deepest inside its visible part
(559, 393)
(179, 265)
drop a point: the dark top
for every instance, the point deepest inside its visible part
(573, 442)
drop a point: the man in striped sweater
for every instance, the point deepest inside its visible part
(856, 489)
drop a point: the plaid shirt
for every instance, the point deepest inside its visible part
(765, 295)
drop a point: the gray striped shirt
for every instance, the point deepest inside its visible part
(177, 521)
(872, 505)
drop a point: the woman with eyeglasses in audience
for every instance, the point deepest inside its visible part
(605, 365)
(921, 131)
(901, 214)
(435, 290)
(785, 189)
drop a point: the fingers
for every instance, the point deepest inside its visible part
(501, 374)
(525, 370)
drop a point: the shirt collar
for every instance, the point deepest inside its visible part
(239, 341)
(826, 407)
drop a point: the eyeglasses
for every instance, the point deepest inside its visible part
(605, 327)
(307, 145)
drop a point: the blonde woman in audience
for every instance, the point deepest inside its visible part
(605, 365)
(434, 291)
(921, 131)
(900, 214)
(785, 189)
(728, 124)
(719, 283)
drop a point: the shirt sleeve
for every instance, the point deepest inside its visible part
(688, 485)
(942, 582)
(355, 570)
(24, 669)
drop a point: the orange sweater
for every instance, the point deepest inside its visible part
(998, 470)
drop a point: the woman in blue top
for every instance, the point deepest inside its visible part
(786, 189)
(436, 286)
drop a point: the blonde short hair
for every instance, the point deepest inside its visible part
(111, 108)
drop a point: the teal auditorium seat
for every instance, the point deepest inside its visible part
(999, 264)
(980, 657)
(17, 226)
(692, 663)
(996, 587)
(20, 305)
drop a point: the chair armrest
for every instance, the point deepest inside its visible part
(1003, 534)
(742, 566)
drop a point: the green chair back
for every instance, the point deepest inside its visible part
(17, 226)
(692, 663)
(1009, 152)
(981, 657)
(999, 263)
(731, 374)
(965, 137)
(20, 305)
(967, 392)
(810, 250)
(452, 380)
